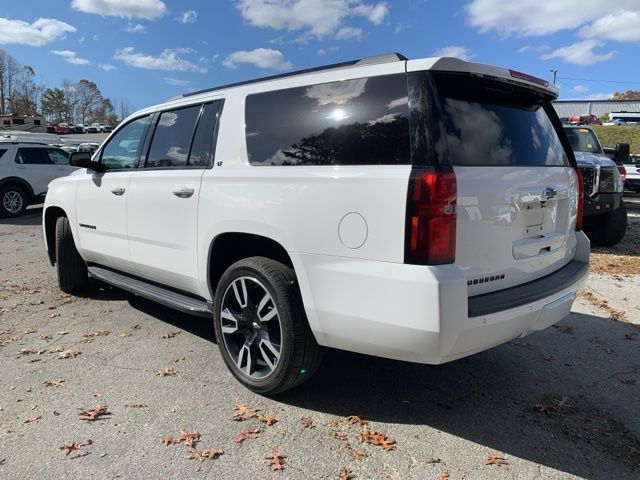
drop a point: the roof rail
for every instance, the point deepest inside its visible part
(372, 60)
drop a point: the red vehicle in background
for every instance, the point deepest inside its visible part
(584, 120)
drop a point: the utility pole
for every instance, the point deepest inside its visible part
(555, 74)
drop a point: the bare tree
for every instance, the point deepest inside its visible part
(89, 99)
(26, 96)
(125, 108)
(14, 70)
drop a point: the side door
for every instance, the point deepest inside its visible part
(101, 198)
(162, 210)
(35, 166)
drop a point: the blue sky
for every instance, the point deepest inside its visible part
(150, 50)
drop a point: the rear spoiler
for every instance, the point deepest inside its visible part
(449, 64)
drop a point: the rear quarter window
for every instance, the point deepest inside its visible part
(362, 121)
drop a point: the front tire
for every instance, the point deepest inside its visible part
(610, 229)
(13, 201)
(70, 267)
(261, 326)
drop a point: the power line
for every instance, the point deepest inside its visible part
(599, 81)
(572, 87)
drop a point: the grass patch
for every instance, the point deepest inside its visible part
(610, 135)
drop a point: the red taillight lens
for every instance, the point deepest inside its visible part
(528, 78)
(580, 205)
(623, 173)
(430, 228)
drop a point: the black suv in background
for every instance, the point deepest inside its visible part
(605, 215)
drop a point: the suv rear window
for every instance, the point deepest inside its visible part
(491, 123)
(363, 121)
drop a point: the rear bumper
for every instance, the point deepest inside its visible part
(422, 314)
(632, 183)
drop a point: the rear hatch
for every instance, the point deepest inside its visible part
(516, 189)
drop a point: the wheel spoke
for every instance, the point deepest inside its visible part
(232, 322)
(241, 299)
(245, 358)
(269, 351)
(271, 313)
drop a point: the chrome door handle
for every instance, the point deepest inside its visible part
(117, 191)
(183, 192)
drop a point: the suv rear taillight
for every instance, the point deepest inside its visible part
(430, 228)
(580, 199)
(623, 172)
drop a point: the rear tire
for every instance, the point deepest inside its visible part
(70, 267)
(291, 354)
(13, 201)
(610, 229)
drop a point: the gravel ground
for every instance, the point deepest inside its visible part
(560, 404)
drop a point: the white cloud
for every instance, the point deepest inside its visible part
(398, 102)
(260, 57)
(107, 67)
(400, 27)
(315, 18)
(36, 34)
(541, 17)
(580, 89)
(533, 48)
(622, 26)
(337, 93)
(457, 51)
(346, 33)
(167, 60)
(135, 28)
(580, 53)
(188, 16)
(177, 82)
(71, 57)
(326, 51)
(148, 9)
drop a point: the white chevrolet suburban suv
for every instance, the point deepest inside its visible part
(419, 210)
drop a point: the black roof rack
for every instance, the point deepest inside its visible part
(384, 58)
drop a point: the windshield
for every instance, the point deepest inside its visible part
(634, 160)
(583, 140)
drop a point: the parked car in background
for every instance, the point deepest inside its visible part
(605, 214)
(90, 147)
(25, 171)
(63, 129)
(51, 128)
(102, 128)
(584, 120)
(624, 118)
(632, 166)
(77, 128)
(93, 128)
(331, 219)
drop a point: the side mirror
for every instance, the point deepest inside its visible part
(83, 160)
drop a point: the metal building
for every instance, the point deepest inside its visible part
(566, 108)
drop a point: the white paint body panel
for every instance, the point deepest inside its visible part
(358, 295)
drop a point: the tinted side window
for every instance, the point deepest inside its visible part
(122, 149)
(33, 156)
(352, 122)
(202, 147)
(172, 138)
(57, 156)
(2, 151)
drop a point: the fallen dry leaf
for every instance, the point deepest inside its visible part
(54, 382)
(343, 437)
(69, 353)
(553, 405)
(95, 413)
(444, 475)
(212, 453)
(63, 332)
(245, 434)
(345, 474)
(355, 420)
(98, 333)
(565, 328)
(375, 438)
(433, 460)
(74, 447)
(136, 326)
(189, 438)
(353, 453)
(306, 422)
(126, 334)
(267, 420)
(496, 459)
(242, 412)
(30, 330)
(171, 334)
(629, 336)
(167, 372)
(276, 461)
(33, 419)
(106, 310)
(136, 405)
(54, 315)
